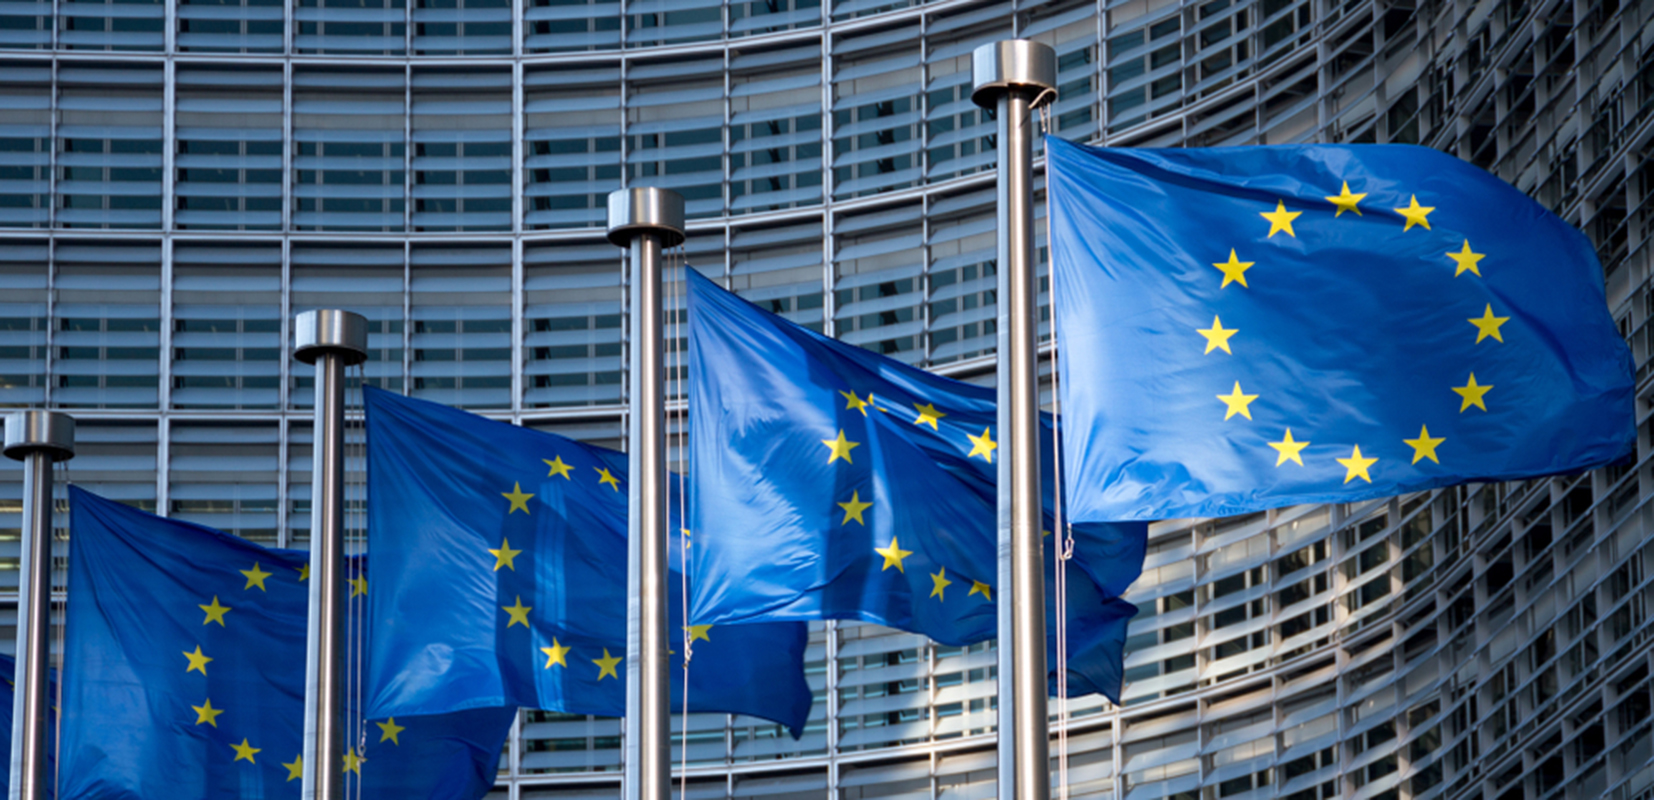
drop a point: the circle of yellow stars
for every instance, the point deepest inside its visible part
(1238, 403)
(557, 654)
(842, 448)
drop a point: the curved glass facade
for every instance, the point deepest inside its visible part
(177, 180)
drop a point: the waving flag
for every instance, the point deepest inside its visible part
(835, 483)
(184, 663)
(1252, 327)
(499, 577)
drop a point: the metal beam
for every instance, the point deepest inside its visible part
(1013, 77)
(646, 220)
(331, 340)
(36, 438)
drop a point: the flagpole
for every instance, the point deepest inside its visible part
(331, 340)
(1012, 77)
(645, 221)
(36, 438)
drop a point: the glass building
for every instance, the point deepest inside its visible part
(178, 179)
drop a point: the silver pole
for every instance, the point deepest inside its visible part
(36, 438)
(1012, 77)
(331, 340)
(645, 221)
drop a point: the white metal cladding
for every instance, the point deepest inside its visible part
(178, 180)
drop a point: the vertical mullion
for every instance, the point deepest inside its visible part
(169, 141)
(518, 328)
(287, 172)
(163, 395)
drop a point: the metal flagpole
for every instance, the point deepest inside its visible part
(36, 438)
(331, 340)
(646, 220)
(1013, 77)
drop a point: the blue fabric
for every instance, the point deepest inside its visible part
(440, 488)
(144, 591)
(8, 673)
(1354, 327)
(776, 508)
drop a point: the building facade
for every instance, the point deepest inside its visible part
(178, 179)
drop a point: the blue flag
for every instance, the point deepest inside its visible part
(499, 577)
(8, 673)
(1252, 327)
(835, 483)
(184, 662)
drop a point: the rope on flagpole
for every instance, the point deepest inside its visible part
(355, 546)
(57, 725)
(677, 261)
(1065, 535)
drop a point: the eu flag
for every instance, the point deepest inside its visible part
(835, 483)
(499, 578)
(184, 673)
(1251, 327)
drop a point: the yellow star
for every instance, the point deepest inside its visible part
(1280, 220)
(605, 477)
(518, 498)
(1234, 270)
(505, 556)
(198, 662)
(255, 577)
(304, 573)
(389, 729)
(353, 762)
(1415, 214)
(358, 586)
(840, 448)
(1355, 466)
(1466, 260)
(1488, 325)
(518, 612)
(893, 556)
(206, 713)
(557, 468)
(556, 654)
(1472, 394)
(978, 587)
(1216, 337)
(853, 509)
(244, 751)
(982, 445)
(928, 415)
(854, 403)
(1346, 201)
(1238, 403)
(698, 633)
(938, 582)
(606, 665)
(215, 612)
(295, 770)
(1425, 446)
(1289, 450)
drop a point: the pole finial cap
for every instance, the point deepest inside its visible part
(646, 209)
(1009, 65)
(36, 431)
(330, 330)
